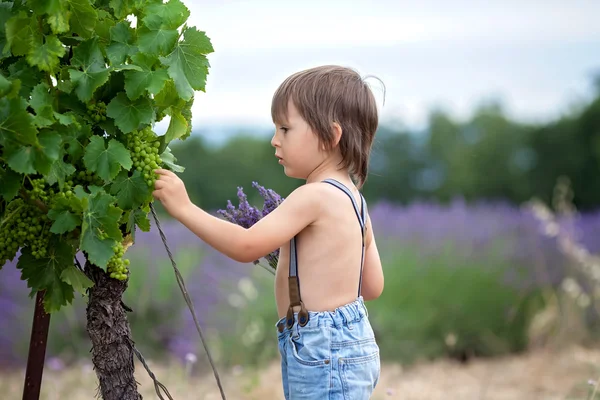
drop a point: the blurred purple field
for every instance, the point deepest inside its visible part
(161, 323)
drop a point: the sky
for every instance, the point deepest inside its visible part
(537, 57)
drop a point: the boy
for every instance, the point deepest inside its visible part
(325, 118)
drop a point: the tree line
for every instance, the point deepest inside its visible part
(487, 157)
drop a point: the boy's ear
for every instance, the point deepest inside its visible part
(337, 134)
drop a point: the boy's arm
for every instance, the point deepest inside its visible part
(297, 211)
(372, 281)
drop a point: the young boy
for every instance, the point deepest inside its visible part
(325, 118)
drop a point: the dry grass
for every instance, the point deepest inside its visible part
(539, 375)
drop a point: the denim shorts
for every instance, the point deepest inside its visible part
(334, 356)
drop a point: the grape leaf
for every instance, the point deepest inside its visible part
(10, 182)
(46, 55)
(59, 171)
(178, 127)
(83, 17)
(93, 73)
(58, 17)
(156, 41)
(131, 191)
(128, 114)
(137, 82)
(73, 140)
(45, 274)
(64, 221)
(169, 160)
(41, 101)
(106, 161)
(74, 277)
(28, 76)
(5, 15)
(138, 217)
(121, 36)
(188, 65)
(5, 85)
(39, 157)
(100, 216)
(169, 15)
(124, 7)
(15, 122)
(21, 30)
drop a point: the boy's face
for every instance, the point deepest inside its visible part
(296, 146)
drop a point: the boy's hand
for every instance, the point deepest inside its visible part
(170, 191)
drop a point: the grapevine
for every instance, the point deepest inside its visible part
(81, 89)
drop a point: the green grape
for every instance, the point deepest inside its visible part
(96, 111)
(144, 147)
(116, 265)
(24, 225)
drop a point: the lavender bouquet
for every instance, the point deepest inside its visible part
(246, 215)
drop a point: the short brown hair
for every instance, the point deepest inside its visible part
(327, 94)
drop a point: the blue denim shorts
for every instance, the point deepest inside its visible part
(334, 356)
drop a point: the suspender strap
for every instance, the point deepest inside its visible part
(294, 289)
(361, 215)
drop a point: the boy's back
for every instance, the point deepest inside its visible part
(329, 253)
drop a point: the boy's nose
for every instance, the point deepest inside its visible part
(275, 140)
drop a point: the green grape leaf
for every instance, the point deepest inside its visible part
(58, 16)
(178, 127)
(46, 56)
(76, 278)
(29, 159)
(156, 41)
(101, 216)
(125, 7)
(45, 274)
(169, 15)
(21, 30)
(73, 139)
(188, 65)
(128, 114)
(138, 217)
(83, 17)
(41, 101)
(93, 73)
(5, 15)
(10, 182)
(16, 123)
(130, 191)
(106, 161)
(138, 82)
(64, 221)
(170, 161)
(5, 86)
(59, 171)
(121, 36)
(27, 75)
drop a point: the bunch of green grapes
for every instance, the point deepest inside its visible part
(84, 178)
(39, 191)
(23, 225)
(97, 111)
(144, 146)
(117, 266)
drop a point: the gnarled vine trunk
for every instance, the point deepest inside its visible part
(109, 331)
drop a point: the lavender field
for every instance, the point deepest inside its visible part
(460, 280)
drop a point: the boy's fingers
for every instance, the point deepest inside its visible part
(164, 172)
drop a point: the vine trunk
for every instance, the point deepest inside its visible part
(110, 334)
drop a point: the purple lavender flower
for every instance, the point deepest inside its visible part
(246, 215)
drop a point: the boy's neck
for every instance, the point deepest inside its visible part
(330, 168)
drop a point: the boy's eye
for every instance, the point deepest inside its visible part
(284, 129)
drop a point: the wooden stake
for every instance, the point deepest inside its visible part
(37, 350)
